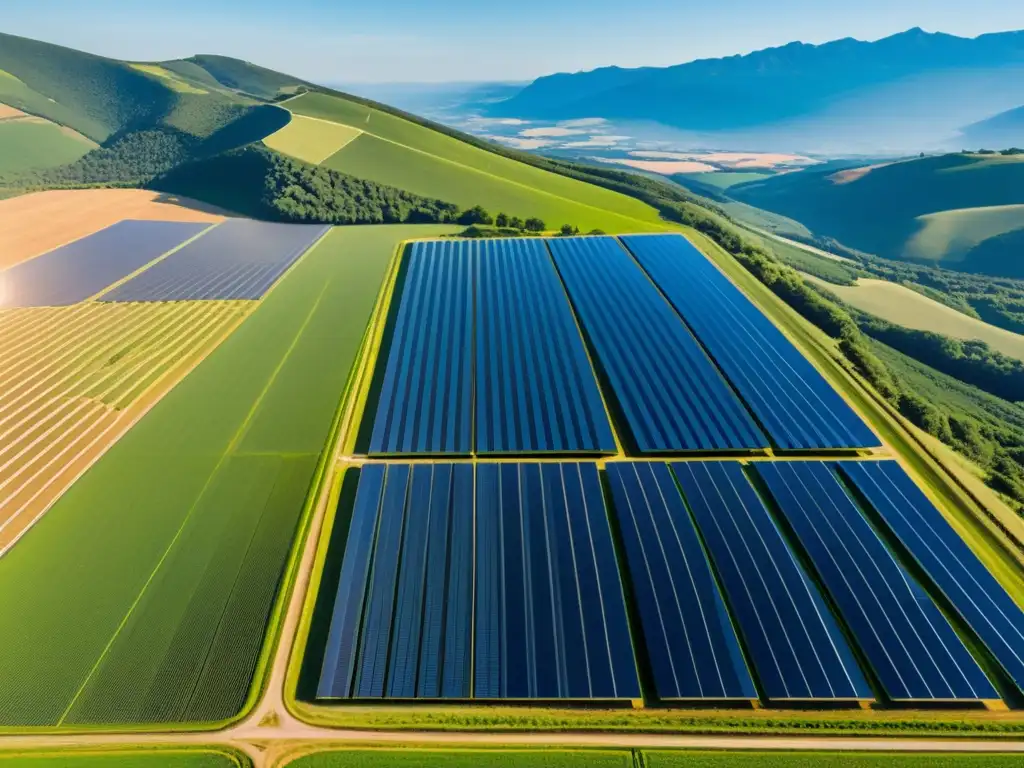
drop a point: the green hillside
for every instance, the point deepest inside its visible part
(35, 143)
(411, 156)
(964, 210)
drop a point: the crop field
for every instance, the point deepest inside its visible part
(154, 578)
(73, 379)
(28, 143)
(123, 758)
(39, 222)
(400, 153)
(905, 306)
(548, 758)
(311, 139)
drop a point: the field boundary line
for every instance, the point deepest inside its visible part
(664, 224)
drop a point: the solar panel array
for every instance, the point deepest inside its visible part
(487, 322)
(669, 393)
(74, 272)
(549, 615)
(794, 403)
(914, 651)
(238, 259)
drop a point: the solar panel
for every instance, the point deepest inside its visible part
(74, 272)
(914, 651)
(238, 259)
(426, 399)
(691, 643)
(944, 556)
(796, 646)
(535, 389)
(668, 391)
(797, 407)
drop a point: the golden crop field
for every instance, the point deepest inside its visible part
(73, 379)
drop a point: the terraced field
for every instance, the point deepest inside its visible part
(73, 379)
(403, 154)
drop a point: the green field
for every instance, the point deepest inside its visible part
(28, 144)
(311, 140)
(823, 760)
(720, 180)
(152, 758)
(403, 154)
(143, 595)
(952, 235)
(465, 759)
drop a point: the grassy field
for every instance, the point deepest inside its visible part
(409, 156)
(127, 758)
(143, 596)
(718, 181)
(173, 80)
(26, 144)
(952, 235)
(904, 306)
(311, 140)
(822, 760)
(454, 758)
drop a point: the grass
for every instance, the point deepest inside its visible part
(952, 235)
(144, 595)
(174, 81)
(455, 758)
(688, 759)
(904, 306)
(718, 181)
(311, 140)
(156, 757)
(400, 153)
(29, 144)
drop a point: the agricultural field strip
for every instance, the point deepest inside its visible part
(238, 259)
(74, 383)
(293, 139)
(912, 648)
(550, 622)
(798, 408)
(791, 637)
(937, 548)
(502, 179)
(670, 394)
(74, 272)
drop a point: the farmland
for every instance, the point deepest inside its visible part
(27, 143)
(124, 758)
(169, 624)
(310, 139)
(400, 153)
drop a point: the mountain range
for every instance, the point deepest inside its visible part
(912, 91)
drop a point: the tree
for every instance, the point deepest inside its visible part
(476, 215)
(501, 220)
(567, 230)
(534, 224)
(515, 222)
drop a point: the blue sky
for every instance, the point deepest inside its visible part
(444, 40)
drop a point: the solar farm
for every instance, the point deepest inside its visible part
(591, 472)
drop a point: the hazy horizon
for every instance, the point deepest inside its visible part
(404, 42)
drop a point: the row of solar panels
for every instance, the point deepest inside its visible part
(786, 581)
(487, 357)
(238, 259)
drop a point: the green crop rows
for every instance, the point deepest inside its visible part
(143, 596)
(152, 758)
(465, 759)
(414, 158)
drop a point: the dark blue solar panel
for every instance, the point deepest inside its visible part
(340, 663)
(693, 649)
(426, 399)
(459, 598)
(551, 617)
(794, 403)
(972, 591)
(75, 272)
(238, 259)
(669, 393)
(913, 650)
(795, 644)
(535, 389)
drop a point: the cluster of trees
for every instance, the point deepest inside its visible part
(478, 215)
(1005, 152)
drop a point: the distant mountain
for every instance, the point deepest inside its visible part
(965, 211)
(911, 90)
(1002, 131)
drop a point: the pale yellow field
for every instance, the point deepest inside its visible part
(73, 379)
(310, 139)
(951, 235)
(173, 81)
(10, 113)
(903, 306)
(37, 223)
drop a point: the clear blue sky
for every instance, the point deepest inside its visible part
(444, 40)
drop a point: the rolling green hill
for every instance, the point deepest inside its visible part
(36, 143)
(411, 156)
(963, 210)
